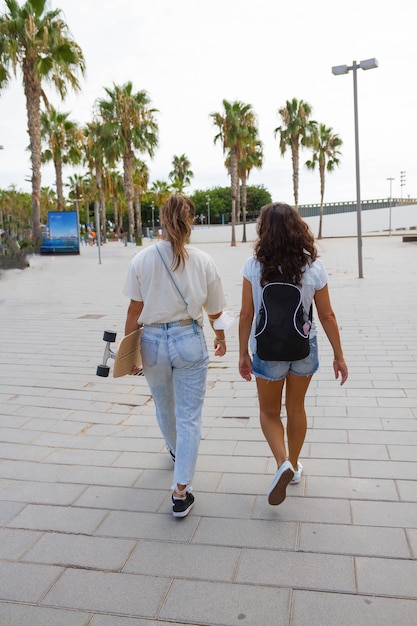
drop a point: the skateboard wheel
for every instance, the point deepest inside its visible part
(103, 370)
(109, 336)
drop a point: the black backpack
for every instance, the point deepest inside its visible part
(282, 326)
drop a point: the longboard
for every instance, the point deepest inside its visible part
(126, 356)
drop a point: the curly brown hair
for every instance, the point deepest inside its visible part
(177, 218)
(284, 241)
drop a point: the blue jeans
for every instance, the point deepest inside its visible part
(175, 362)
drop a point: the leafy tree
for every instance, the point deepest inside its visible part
(38, 42)
(326, 154)
(128, 125)
(295, 131)
(181, 173)
(236, 125)
(64, 139)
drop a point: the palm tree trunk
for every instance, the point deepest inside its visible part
(138, 218)
(32, 88)
(322, 176)
(234, 181)
(244, 197)
(59, 185)
(295, 170)
(128, 187)
(102, 206)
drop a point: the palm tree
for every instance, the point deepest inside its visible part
(140, 185)
(94, 158)
(77, 184)
(236, 125)
(326, 153)
(128, 125)
(65, 140)
(181, 173)
(113, 182)
(253, 157)
(296, 129)
(37, 41)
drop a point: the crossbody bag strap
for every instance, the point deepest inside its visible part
(175, 285)
(171, 276)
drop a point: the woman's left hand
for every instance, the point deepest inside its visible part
(219, 347)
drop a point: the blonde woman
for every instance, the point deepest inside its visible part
(169, 285)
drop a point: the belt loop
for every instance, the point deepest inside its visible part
(195, 327)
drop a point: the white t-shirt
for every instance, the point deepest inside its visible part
(314, 278)
(148, 282)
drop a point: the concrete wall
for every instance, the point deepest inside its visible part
(341, 225)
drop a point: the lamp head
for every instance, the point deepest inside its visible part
(368, 64)
(339, 69)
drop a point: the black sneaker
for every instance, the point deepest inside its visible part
(181, 507)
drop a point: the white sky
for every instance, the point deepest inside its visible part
(189, 55)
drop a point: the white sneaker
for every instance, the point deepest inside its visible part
(297, 474)
(283, 476)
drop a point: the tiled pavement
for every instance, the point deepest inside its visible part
(86, 533)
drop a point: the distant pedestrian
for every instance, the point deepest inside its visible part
(285, 251)
(169, 284)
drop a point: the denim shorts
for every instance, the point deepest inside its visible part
(277, 370)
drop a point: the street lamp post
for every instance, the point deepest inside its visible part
(390, 202)
(367, 64)
(208, 210)
(153, 216)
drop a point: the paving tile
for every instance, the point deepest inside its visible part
(121, 498)
(80, 551)
(117, 476)
(21, 470)
(14, 543)
(223, 603)
(148, 526)
(390, 514)
(8, 510)
(351, 488)
(387, 577)
(353, 540)
(246, 533)
(296, 569)
(383, 469)
(180, 560)
(349, 451)
(26, 582)
(58, 518)
(42, 493)
(300, 509)
(114, 620)
(23, 615)
(326, 609)
(412, 538)
(107, 592)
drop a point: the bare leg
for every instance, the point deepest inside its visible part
(270, 400)
(295, 392)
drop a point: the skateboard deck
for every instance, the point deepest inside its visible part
(128, 354)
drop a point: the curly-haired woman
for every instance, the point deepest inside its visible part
(285, 251)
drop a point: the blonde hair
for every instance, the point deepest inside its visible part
(177, 219)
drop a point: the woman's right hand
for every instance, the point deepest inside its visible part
(245, 367)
